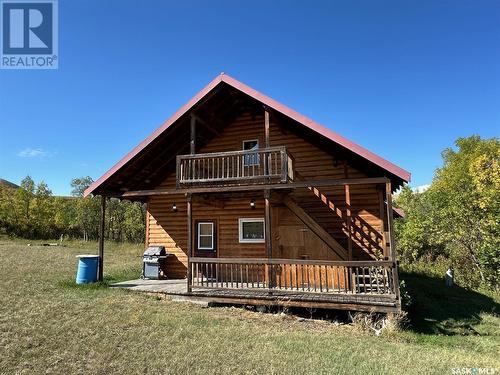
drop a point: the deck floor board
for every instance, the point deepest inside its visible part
(178, 287)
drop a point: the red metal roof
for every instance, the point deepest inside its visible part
(320, 129)
(399, 212)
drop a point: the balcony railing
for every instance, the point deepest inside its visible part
(308, 276)
(263, 165)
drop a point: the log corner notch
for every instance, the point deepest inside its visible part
(101, 239)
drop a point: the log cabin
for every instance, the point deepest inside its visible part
(259, 204)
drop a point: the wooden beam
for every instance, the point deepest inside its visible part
(390, 225)
(101, 239)
(347, 192)
(190, 240)
(192, 142)
(348, 220)
(343, 263)
(209, 200)
(315, 227)
(290, 302)
(266, 128)
(172, 148)
(384, 224)
(266, 141)
(267, 229)
(152, 174)
(146, 237)
(146, 156)
(277, 186)
(206, 124)
(198, 119)
(388, 194)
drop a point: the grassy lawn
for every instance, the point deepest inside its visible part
(50, 325)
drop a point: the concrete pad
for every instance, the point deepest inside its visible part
(171, 286)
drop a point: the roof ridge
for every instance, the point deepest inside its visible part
(274, 104)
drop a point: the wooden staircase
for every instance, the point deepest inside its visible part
(316, 228)
(333, 215)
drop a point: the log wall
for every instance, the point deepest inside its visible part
(326, 205)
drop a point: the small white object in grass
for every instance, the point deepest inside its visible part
(449, 279)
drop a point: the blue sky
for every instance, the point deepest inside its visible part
(402, 78)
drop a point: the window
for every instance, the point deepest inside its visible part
(251, 230)
(252, 159)
(206, 235)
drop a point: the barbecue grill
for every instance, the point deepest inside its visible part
(154, 260)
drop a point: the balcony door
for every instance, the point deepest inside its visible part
(252, 159)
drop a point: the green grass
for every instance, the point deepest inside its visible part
(50, 325)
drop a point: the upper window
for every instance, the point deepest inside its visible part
(251, 230)
(252, 159)
(205, 235)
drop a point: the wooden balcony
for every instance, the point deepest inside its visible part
(267, 165)
(368, 285)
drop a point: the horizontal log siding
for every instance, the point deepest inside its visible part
(168, 228)
(326, 205)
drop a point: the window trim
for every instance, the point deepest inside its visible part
(257, 156)
(251, 219)
(199, 235)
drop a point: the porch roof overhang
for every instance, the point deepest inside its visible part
(216, 105)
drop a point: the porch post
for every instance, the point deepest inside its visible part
(190, 240)
(192, 150)
(266, 141)
(266, 128)
(192, 143)
(390, 227)
(267, 229)
(347, 192)
(388, 194)
(348, 220)
(382, 210)
(101, 238)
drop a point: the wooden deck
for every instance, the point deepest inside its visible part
(177, 290)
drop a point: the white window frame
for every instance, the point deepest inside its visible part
(251, 219)
(256, 157)
(199, 235)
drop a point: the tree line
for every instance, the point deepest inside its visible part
(32, 211)
(458, 218)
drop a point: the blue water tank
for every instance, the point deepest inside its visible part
(87, 269)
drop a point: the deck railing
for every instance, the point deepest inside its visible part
(268, 164)
(316, 276)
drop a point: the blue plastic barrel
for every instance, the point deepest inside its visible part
(87, 269)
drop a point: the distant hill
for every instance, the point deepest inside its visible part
(8, 184)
